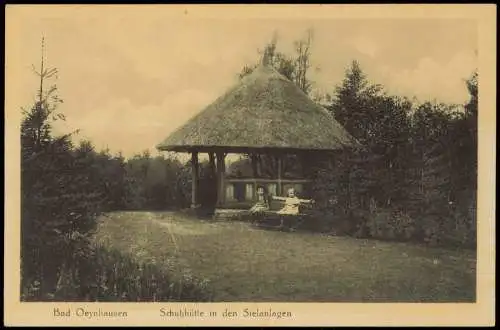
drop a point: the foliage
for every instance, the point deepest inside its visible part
(416, 177)
(394, 225)
(353, 103)
(60, 200)
(294, 67)
(104, 274)
(63, 190)
(419, 163)
(155, 183)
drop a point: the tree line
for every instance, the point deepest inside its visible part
(415, 178)
(65, 190)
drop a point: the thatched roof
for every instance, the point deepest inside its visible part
(265, 111)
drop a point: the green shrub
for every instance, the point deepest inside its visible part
(459, 229)
(358, 223)
(107, 275)
(378, 224)
(60, 203)
(63, 190)
(391, 225)
(403, 225)
(155, 183)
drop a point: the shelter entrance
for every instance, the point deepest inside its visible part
(234, 184)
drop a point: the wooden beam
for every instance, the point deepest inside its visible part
(280, 188)
(221, 187)
(259, 165)
(254, 190)
(264, 180)
(304, 164)
(256, 173)
(211, 157)
(254, 159)
(194, 179)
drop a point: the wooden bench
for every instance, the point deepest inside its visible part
(271, 219)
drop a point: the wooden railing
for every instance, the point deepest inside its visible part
(280, 184)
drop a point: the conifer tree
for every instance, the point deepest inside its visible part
(60, 200)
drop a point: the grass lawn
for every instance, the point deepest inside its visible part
(244, 263)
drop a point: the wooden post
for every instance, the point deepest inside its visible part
(194, 179)
(221, 187)
(331, 161)
(305, 160)
(259, 165)
(211, 157)
(255, 160)
(213, 179)
(279, 188)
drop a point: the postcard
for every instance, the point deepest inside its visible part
(250, 165)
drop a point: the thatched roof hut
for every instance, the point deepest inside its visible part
(265, 111)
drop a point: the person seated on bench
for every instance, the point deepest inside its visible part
(292, 204)
(262, 203)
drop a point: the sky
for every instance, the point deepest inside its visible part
(129, 79)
